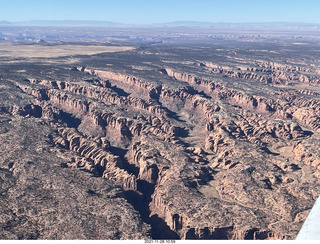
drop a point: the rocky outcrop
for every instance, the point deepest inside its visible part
(193, 149)
(43, 197)
(268, 72)
(162, 168)
(157, 158)
(125, 127)
(95, 157)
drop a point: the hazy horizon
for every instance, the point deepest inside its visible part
(155, 23)
(174, 24)
(144, 12)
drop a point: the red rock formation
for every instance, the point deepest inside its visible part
(211, 162)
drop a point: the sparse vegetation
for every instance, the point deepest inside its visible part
(157, 134)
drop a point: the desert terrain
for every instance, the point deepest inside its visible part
(167, 134)
(51, 51)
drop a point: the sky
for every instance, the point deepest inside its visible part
(162, 11)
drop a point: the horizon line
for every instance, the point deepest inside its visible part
(175, 21)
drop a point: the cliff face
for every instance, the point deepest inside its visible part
(201, 150)
(267, 72)
(46, 196)
(234, 177)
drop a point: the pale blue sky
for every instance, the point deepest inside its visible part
(159, 11)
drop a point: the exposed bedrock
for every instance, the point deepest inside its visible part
(305, 111)
(267, 73)
(197, 161)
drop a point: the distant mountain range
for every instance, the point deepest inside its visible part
(64, 23)
(5, 23)
(190, 24)
(236, 25)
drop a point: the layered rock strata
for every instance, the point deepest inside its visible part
(185, 155)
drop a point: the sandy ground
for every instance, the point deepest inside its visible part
(43, 51)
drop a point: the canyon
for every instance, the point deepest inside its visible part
(180, 140)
